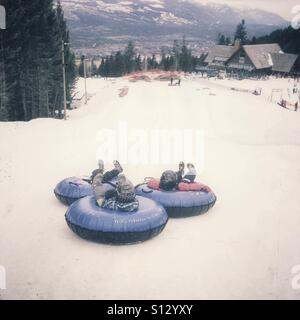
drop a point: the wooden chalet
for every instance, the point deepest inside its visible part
(257, 58)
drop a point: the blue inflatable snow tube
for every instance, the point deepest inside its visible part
(72, 189)
(93, 223)
(180, 204)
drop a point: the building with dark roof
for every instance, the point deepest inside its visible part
(219, 55)
(253, 57)
(264, 58)
(284, 63)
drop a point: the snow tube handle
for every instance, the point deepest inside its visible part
(146, 180)
(144, 191)
(74, 184)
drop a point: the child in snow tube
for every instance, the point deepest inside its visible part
(171, 180)
(90, 222)
(120, 198)
(178, 193)
(109, 175)
(115, 215)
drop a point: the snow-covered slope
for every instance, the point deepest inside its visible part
(244, 248)
(95, 21)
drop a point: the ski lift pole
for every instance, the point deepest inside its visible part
(63, 44)
(146, 64)
(85, 84)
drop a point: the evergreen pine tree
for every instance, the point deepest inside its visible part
(109, 65)
(94, 69)
(241, 32)
(152, 63)
(101, 68)
(30, 60)
(185, 58)
(81, 67)
(175, 54)
(227, 41)
(106, 67)
(253, 41)
(119, 65)
(221, 39)
(138, 63)
(129, 58)
(163, 61)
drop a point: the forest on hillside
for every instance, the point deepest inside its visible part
(288, 39)
(180, 58)
(31, 76)
(31, 59)
(127, 61)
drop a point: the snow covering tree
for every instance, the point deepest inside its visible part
(101, 66)
(241, 32)
(94, 69)
(106, 68)
(138, 63)
(31, 57)
(167, 63)
(152, 62)
(102, 70)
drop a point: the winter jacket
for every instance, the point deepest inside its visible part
(113, 204)
(182, 186)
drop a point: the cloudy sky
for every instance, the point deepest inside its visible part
(281, 7)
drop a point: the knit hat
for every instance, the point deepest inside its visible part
(125, 190)
(168, 180)
(97, 181)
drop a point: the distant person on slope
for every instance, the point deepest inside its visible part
(122, 198)
(295, 101)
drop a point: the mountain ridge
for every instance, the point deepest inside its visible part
(99, 23)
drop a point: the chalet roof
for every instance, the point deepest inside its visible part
(260, 54)
(220, 51)
(283, 62)
(263, 56)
